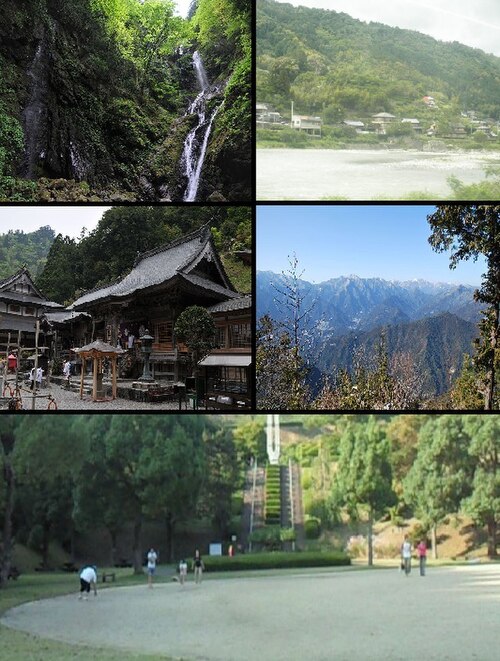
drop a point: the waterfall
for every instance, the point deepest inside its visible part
(195, 144)
(34, 114)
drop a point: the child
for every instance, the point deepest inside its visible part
(182, 571)
(88, 579)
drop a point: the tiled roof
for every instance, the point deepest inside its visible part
(161, 265)
(239, 303)
(64, 316)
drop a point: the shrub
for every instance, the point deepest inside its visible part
(277, 560)
(312, 528)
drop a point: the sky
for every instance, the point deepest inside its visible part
(65, 220)
(379, 241)
(475, 23)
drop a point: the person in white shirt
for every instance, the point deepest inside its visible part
(406, 555)
(88, 579)
(183, 568)
(67, 371)
(152, 558)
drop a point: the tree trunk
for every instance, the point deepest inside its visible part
(490, 389)
(114, 535)
(7, 544)
(137, 550)
(45, 545)
(370, 540)
(434, 542)
(170, 525)
(492, 538)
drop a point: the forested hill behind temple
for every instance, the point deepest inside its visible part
(96, 100)
(331, 64)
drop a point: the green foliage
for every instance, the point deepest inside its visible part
(18, 248)
(277, 561)
(195, 327)
(312, 528)
(324, 59)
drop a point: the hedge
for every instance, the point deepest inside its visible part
(276, 560)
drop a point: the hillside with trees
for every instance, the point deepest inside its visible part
(30, 248)
(332, 65)
(96, 100)
(110, 251)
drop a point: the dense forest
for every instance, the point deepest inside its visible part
(30, 248)
(63, 267)
(97, 100)
(331, 64)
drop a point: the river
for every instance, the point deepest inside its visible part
(359, 174)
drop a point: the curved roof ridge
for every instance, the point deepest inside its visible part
(200, 232)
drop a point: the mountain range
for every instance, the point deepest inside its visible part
(435, 323)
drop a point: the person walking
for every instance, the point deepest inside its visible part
(406, 555)
(152, 559)
(422, 556)
(198, 567)
(39, 377)
(88, 579)
(182, 571)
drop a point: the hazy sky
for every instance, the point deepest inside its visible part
(64, 220)
(381, 241)
(475, 23)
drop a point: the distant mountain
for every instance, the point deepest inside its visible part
(351, 303)
(31, 248)
(338, 66)
(434, 322)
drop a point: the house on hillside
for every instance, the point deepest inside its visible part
(355, 124)
(430, 102)
(308, 124)
(22, 305)
(268, 118)
(415, 124)
(381, 120)
(227, 377)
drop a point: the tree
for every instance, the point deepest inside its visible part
(440, 474)
(363, 482)
(484, 502)
(221, 478)
(250, 439)
(469, 231)
(195, 327)
(8, 437)
(280, 372)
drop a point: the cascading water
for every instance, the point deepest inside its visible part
(195, 144)
(34, 115)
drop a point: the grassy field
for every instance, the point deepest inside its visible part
(30, 587)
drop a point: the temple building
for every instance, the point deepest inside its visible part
(22, 305)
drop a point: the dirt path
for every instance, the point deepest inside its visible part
(450, 614)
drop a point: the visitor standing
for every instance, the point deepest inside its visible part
(32, 378)
(198, 566)
(88, 579)
(406, 555)
(67, 371)
(183, 568)
(152, 559)
(422, 556)
(39, 377)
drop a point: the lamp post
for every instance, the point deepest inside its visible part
(146, 349)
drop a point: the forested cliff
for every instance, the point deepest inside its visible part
(95, 99)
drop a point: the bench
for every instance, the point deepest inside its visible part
(110, 575)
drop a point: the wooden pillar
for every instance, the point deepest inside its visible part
(113, 369)
(95, 367)
(82, 375)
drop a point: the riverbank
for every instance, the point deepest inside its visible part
(374, 174)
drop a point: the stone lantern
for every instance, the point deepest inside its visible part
(146, 350)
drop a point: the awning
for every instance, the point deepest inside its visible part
(226, 360)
